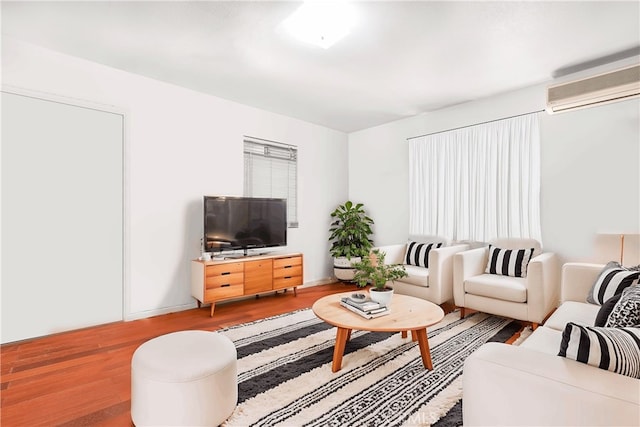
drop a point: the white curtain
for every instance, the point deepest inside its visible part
(477, 183)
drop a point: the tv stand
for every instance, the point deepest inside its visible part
(224, 279)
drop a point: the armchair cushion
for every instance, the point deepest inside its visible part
(508, 262)
(418, 253)
(417, 276)
(497, 287)
(612, 280)
(614, 349)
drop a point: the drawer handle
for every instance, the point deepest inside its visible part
(225, 285)
(288, 266)
(226, 273)
(287, 277)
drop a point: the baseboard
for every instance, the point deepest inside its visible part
(324, 281)
(159, 311)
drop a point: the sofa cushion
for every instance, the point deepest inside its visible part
(605, 310)
(508, 262)
(572, 311)
(613, 349)
(418, 253)
(497, 287)
(418, 276)
(626, 312)
(545, 340)
(611, 281)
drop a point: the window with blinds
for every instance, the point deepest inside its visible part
(271, 170)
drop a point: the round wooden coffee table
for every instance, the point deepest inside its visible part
(407, 314)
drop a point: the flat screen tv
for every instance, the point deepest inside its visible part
(232, 223)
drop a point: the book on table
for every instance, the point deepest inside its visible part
(365, 305)
(367, 309)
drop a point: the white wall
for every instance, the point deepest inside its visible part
(180, 145)
(590, 180)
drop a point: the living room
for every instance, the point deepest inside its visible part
(174, 137)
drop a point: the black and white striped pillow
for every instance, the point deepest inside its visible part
(613, 279)
(614, 349)
(508, 262)
(418, 253)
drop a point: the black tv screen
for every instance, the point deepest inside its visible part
(232, 223)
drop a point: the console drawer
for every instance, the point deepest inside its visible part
(287, 282)
(224, 269)
(225, 291)
(287, 262)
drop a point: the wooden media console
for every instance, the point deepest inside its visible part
(223, 279)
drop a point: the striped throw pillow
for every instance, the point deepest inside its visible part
(418, 253)
(508, 262)
(612, 280)
(614, 349)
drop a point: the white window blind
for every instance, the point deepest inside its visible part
(271, 170)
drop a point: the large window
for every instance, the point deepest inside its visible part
(477, 183)
(271, 170)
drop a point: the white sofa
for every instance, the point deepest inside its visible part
(530, 385)
(433, 284)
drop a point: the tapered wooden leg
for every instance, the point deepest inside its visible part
(338, 351)
(414, 336)
(534, 326)
(199, 303)
(349, 335)
(295, 292)
(403, 334)
(213, 307)
(462, 312)
(423, 343)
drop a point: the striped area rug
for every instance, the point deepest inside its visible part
(285, 378)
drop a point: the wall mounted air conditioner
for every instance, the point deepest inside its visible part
(600, 89)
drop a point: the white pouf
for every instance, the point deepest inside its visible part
(186, 378)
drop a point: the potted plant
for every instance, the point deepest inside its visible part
(372, 270)
(350, 233)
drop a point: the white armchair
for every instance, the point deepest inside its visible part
(529, 298)
(433, 284)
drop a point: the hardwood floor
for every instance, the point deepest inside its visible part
(83, 377)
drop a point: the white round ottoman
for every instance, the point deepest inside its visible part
(186, 378)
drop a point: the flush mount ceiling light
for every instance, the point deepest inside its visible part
(321, 23)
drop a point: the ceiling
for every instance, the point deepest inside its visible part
(401, 59)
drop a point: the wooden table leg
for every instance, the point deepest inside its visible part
(423, 342)
(338, 351)
(213, 307)
(414, 336)
(403, 334)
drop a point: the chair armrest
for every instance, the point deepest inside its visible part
(543, 286)
(467, 264)
(550, 390)
(394, 254)
(441, 271)
(577, 280)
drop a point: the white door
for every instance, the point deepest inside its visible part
(62, 217)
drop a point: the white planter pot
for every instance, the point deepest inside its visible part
(381, 297)
(343, 268)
